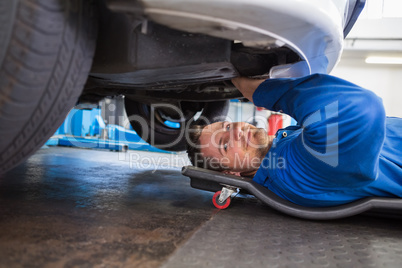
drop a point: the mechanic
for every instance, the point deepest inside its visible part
(344, 147)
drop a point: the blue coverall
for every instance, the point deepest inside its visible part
(343, 149)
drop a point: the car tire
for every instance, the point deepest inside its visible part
(163, 136)
(46, 51)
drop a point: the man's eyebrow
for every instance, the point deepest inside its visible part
(220, 140)
(220, 146)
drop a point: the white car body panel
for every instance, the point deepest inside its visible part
(311, 28)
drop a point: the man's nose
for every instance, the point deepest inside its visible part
(238, 133)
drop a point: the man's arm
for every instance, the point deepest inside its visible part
(247, 86)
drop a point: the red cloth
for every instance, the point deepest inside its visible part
(275, 122)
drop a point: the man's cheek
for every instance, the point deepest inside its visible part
(235, 145)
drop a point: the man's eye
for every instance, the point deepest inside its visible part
(225, 147)
(228, 127)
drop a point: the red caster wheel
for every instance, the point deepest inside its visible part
(217, 204)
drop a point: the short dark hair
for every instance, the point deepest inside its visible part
(193, 149)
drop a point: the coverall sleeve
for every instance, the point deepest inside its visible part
(342, 125)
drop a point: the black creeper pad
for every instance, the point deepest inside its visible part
(213, 181)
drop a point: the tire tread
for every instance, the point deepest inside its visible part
(63, 77)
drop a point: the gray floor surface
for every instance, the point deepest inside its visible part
(69, 207)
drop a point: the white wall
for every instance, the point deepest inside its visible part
(384, 80)
(377, 32)
(244, 112)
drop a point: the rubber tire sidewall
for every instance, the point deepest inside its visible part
(163, 137)
(46, 62)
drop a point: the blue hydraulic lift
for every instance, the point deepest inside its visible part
(87, 129)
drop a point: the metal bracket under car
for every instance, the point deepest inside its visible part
(209, 180)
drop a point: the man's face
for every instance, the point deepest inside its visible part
(239, 147)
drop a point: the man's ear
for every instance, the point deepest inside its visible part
(231, 172)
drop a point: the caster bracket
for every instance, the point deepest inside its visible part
(226, 192)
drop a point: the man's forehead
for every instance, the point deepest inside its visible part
(212, 127)
(209, 139)
(209, 131)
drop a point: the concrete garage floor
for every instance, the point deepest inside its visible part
(69, 207)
